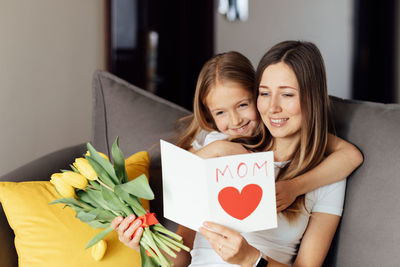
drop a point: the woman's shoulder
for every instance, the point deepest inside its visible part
(327, 199)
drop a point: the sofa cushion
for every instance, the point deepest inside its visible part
(139, 118)
(368, 234)
(50, 235)
(39, 169)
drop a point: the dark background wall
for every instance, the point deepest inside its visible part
(185, 40)
(375, 51)
(184, 31)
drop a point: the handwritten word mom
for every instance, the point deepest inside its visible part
(241, 171)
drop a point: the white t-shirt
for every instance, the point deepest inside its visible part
(204, 138)
(281, 244)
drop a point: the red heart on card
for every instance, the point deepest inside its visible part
(237, 204)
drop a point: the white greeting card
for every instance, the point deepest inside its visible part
(236, 191)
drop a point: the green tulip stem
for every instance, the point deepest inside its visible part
(103, 184)
(158, 227)
(148, 249)
(167, 241)
(149, 237)
(163, 246)
(173, 243)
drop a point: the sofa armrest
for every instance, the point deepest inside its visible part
(41, 168)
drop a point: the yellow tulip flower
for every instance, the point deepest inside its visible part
(99, 249)
(75, 179)
(85, 168)
(101, 154)
(62, 187)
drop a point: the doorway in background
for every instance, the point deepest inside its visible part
(160, 45)
(375, 52)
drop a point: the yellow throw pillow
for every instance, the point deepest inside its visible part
(136, 165)
(50, 235)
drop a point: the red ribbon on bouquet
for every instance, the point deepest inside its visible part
(146, 220)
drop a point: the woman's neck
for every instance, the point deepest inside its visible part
(283, 149)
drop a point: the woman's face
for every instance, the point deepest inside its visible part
(279, 102)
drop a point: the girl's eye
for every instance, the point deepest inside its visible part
(219, 113)
(264, 93)
(288, 95)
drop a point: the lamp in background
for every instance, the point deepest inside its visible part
(234, 10)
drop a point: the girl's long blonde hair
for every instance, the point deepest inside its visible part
(306, 61)
(225, 67)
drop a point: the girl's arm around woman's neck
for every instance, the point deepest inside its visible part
(221, 148)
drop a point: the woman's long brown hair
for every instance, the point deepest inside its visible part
(306, 61)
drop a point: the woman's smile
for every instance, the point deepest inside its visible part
(278, 122)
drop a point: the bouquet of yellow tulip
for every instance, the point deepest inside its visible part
(99, 191)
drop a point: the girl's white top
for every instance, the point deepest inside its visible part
(204, 138)
(282, 243)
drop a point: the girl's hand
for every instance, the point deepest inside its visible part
(229, 244)
(286, 193)
(125, 231)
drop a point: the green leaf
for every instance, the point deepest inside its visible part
(101, 172)
(102, 214)
(85, 216)
(114, 202)
(99, 236)
(106, 165)
(98, 224)
(67, 201)
(73, 168)
(95, 184)
(131, 200)
(84, 197)
(97, 197)
(70, 202)
(138, 187)
(119, 162)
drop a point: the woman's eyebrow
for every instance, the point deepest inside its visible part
(280, 87)
(287, 86)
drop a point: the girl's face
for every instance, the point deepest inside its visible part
(279, 102)
(233, 109)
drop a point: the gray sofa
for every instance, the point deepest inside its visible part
(367, 235)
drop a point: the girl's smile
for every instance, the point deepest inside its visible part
(232, 109)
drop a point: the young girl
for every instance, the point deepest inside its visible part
(225, 108)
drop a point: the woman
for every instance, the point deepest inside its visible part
(294, 107)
